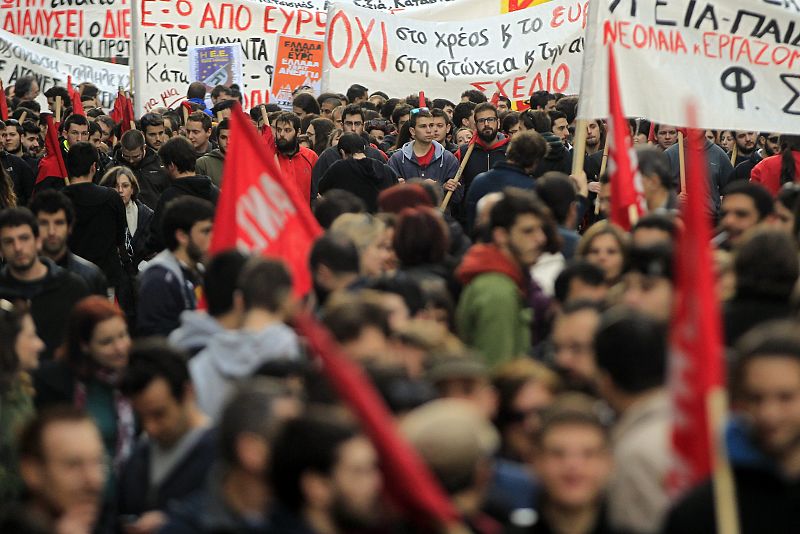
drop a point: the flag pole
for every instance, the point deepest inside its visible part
(58, 109)
(579, 148)
(603, 164)
(722, 475)
(682, 161)
(23, 116)
(461, 168)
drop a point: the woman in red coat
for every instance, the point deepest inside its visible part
(775, 171)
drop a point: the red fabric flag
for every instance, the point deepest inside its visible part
(422, 99)
(77, 106)
(122, 112)
(627, 192)
(407, 478)
(52, 164)
(3, 103)
(258, 210)
(495, 98)
(696, 353)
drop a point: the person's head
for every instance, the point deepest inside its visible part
(187, 226)
(334, 203)
(559, 125)
(791, 145)
(503, 104)
(464, 115)
(219, 93)
(655, 171)
(487, 123)
(223, 134)
(351, 144)
(31, 138)
(766, 265)
(158, 384)
(370, 237)
(510, 125)
(786, 205)
(522, 226)
(573, 456)
(573, 343)
(97, 337)
(318, 132)
(421, 237)
(152, 125)
(525, 388)
(62, 461)
(95, 135)
(264, 285)
(744, 206)
(746, 142)
(568, 105)
(378, 99)
(198, 130)
(76, 129)
(666, 135)
(543, 100)
(26, 88)
(357, 94)
(647, 284)
(595, 134)
(557, 191)
(353, 119)
(82, 160)
(132, 147)
(54, 92)
(771, 142)
(220, 279)
(12, 136)
(287, 130)
(360, 323)
(305, 104)
(605, 245)
(727, 140)
(334, 263)
(19, 344)
(421, 126)
(526, 150)
(653, 229)
(19, 240)
(400, 115)
(327, 105)
(631, 352)
(581, 280)
(538, 121)
(463, 136)
(178, 155)
(55, 214)
(196, 90)
(445, 105)
(474, 96)
(107, 127)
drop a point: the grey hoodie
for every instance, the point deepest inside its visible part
(195, 331)
(233, 356)
(443, 166)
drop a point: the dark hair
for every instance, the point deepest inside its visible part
(356, 91)
(510, 120)
(422, 113)
(181, 214)
(473, 95)
(81, 323)
(562, 413)
(569, 107)
(347, 318)
(537, 120)
(464, 110)
(403, 136)
(399, 111)
(353, 109)
(112, 175)
(220, 278)
(539, 99)
(30, 127)
(351, 143)
(201, 117)
(777, 338)
(132, 139)
(218, 91)
(403, 286)
(151, 359)
(11, 318)
(334, 203)
(336, 252)
(322, 129)
(306, 444)
(78, 120)
(631, 348)
(13, 217)
(657, 221)
(264, 284)
(151, 119)
(652, 260)
(791, 143)
(178, 151)
(653, 161)
(93, 128)
(288, 117)
(588, 273)
(527, 149)
(80, 158)
(23, 86)
(556, 189)
(762, 199)
(766, 266)
(421, 237)
(307, 103)
(196, 90)
(51, 201)
(441, 103)
(55, 91)
(555, 115)
(788, 197)
(516, 202)
(31, 439)
(486, 106)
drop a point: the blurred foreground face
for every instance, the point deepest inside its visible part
(573, 341)
(356, 484)
(651, 295)
(573, 465)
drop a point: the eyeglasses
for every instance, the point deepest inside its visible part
(776, 139)
(486, 120)
(417, 110)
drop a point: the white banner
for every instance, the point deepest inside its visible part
(86, 28)
(516, 54)
(739, 60)
(20, 57)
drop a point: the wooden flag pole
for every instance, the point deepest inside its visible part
(579, 147)
(461, 168)
(58, 109)
(23, 116)
(682, 161)
(603, 165)
(264, 115)
(722, 474)
(734, 153)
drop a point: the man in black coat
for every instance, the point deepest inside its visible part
(145, 164)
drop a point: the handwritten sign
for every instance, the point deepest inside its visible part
(20, 57)
(516, 54)
(298, 62)
(85, 28)
(739, 60)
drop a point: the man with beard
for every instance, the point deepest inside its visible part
(490, 148)
(56, 217)
(51, 290)
(573, 345)
(211, 164)
(745, 146)
(296, 161)
(595, 137)
(145, 164)
(352, 121)
(169, 283)
(744, 165)
(325, 476)
(31, 139)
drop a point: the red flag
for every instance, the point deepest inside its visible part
(52, 163)
(258, 210)
(122, 112)
(408, 479)
(422, 99)
(3, 103)
(627, 195)
(77, 106)
(495, 98)
(696, 353)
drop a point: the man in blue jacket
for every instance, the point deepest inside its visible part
(425, 158)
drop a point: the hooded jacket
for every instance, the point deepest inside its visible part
(365, 178)
(443, 166)
(491, 314)
(233, 356)
(198, 186)
(150, 174)
(330, 156)
(99, 229)
(558, 157)
(211, 164)
(165, 291)
(196, 329)
(502, 175)
(719, 170)
(51, 299)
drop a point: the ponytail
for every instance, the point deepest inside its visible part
(791, 143)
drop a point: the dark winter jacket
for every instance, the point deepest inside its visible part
(150, 174)
(484, 157)
(330, 156)
(198, 186)
(166, 290)
(91, 273)
(21, 174)
(365, 178)
(558, 158)
(504, 174)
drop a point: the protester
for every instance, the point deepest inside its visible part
(138, 215)
(606, 246)
(146, 166)
(296, 161)
(211, 163)
(777, 170)
(371, 238)
(573, 344)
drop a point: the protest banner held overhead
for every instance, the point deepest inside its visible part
(514, 54)
(20, 57)
(738, 59)
(298, 62)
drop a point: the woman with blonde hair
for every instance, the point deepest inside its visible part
(371, 237)
(605, 245)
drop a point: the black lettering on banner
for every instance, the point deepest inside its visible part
(615, 4)
(733, 79)
(794, 85)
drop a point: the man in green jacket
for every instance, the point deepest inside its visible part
(492, 314)
(210, 164)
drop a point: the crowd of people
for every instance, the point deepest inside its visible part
(517, 336)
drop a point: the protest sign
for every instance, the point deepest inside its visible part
(88, 29)
(298, 62)
(739, 61)
(20, 57)
(215, 65)
(514, 54)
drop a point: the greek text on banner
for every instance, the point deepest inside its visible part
(739, 60)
